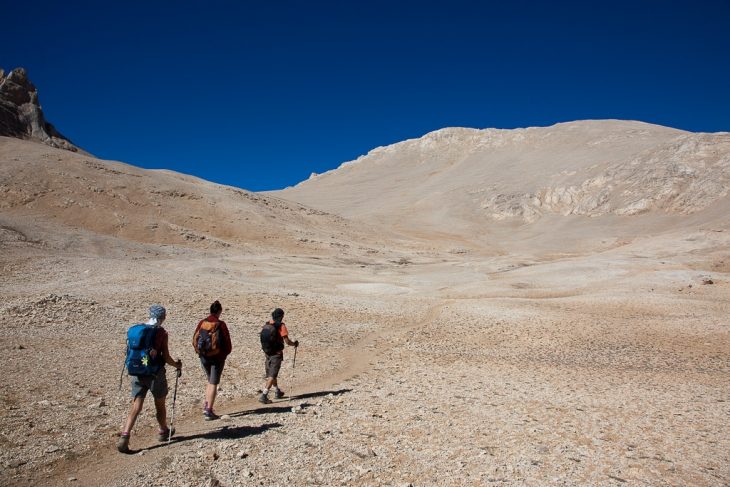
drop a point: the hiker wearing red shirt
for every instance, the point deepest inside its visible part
(273, 336)
(212, 343)
(156, 384)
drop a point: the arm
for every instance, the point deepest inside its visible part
(228, 346)
(168, 359)
(284, 331)
(291, 343)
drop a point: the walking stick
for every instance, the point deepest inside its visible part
(294, 360)
(121, 374)
(174, 397)
(124, 364)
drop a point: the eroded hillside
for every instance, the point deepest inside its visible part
(476, 183)
(47, 194)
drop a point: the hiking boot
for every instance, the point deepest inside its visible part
(163, 435)
(264, 399)
(279, 394)
(209, 415)
(123, 443)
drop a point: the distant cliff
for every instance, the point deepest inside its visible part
(21, 115)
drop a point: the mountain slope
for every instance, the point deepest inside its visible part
(45, 187)
(468, 182)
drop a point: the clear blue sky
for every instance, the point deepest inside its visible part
(260, 94)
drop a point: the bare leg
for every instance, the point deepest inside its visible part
(211, 390)
(137, 404)
(161, 412)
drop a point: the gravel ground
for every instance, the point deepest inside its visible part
(617, 386)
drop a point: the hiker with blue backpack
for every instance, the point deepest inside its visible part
(212, 343)
(273, 336)
(147, 354)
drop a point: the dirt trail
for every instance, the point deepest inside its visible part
(104, 464)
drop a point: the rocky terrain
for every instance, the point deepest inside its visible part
(21, 115)
(478, 179)
(557, 339)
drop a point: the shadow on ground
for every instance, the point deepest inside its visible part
(230, 432)
(276, 406)
(222, 433)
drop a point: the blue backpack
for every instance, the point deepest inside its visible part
(140, 339)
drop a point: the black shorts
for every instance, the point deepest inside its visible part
(273, 364)
(213, 369)
(156, 384)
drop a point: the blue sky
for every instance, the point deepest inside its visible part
(260, 94)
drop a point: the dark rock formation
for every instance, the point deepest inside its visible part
(21, 115)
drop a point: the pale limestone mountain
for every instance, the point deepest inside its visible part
(469, 183)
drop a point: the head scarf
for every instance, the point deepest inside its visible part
(157, 314)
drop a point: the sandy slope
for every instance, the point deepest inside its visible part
(432, 361)
(489, 186)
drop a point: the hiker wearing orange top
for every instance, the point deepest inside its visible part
(212, 343)
(273, 336)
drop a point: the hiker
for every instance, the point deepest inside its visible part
(212, 343)
(273, 336)
(157, 383)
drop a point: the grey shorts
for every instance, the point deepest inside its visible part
(273, 364)
(213, 369)
(157, 384)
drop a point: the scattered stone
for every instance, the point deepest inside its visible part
(210, 456)
(619, 479)
(99, 403)
(364, 454)
(363, 470)
(707, 280)
(52, 449)
(242, 454)
(72, 479)
(213, 482)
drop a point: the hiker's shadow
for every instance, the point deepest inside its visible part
(222, 433)
(275, 409)
(310, 395)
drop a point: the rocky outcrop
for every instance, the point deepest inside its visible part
(21, 115)
(684, 176)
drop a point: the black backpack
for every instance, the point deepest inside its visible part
(271, 340)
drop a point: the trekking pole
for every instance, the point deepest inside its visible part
(124, 364)
(121, 374)
(174, 398)
(294, 360)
